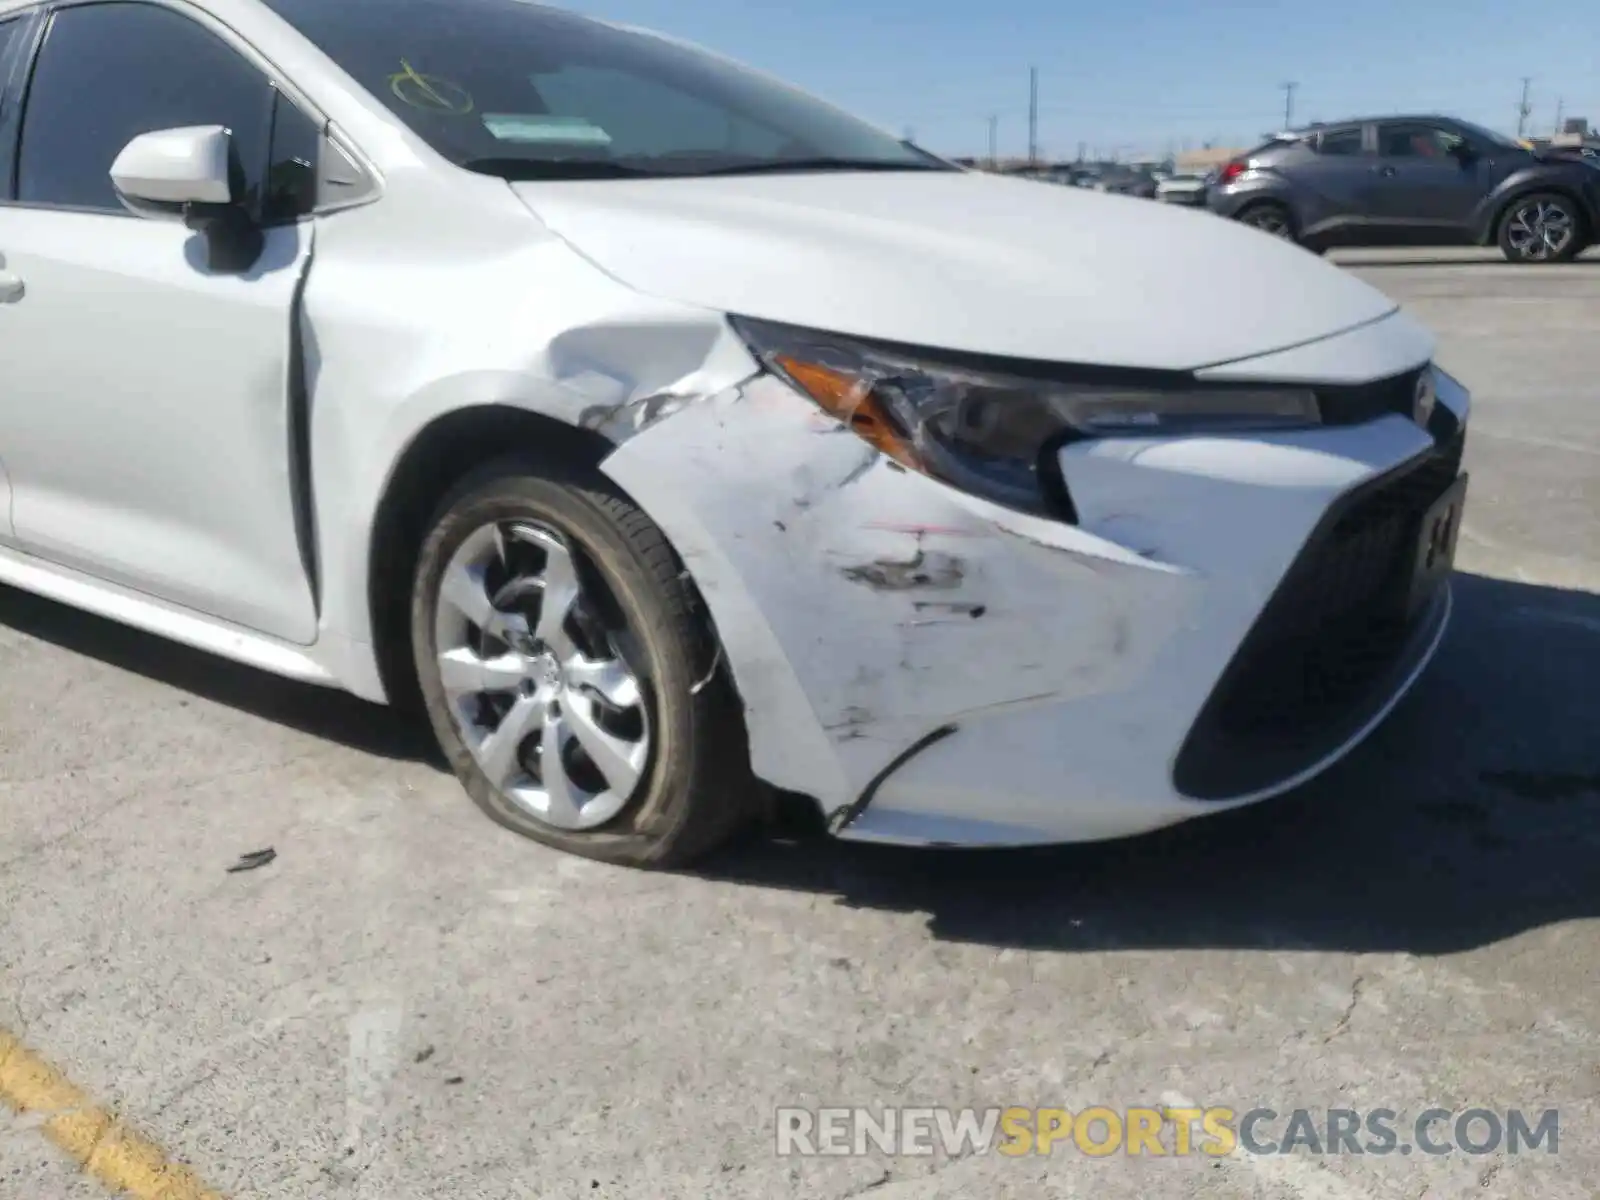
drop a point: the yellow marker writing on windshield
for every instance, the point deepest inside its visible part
(429, 92)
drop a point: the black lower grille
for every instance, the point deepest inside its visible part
(1321, 657)
(1352, 404)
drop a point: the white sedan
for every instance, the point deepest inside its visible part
(673, 438)
(1187, 188)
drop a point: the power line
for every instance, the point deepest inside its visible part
(1336, 108)
(1186, 115)
(1175, 113)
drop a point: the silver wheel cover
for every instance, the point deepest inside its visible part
(553, 714)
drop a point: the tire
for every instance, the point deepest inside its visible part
(1528, 219)
(1271, 218)
(677, 728)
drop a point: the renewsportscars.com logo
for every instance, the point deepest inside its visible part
(1158, 1131)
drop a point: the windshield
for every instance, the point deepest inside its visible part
(519, 90)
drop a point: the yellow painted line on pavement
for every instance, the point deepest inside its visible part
(103, 1146)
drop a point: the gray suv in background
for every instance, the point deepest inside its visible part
(1413, 181)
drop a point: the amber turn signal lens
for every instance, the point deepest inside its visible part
(851, 401)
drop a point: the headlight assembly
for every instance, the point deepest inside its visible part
(993, 434)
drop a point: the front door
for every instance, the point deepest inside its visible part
(144, 415)
(1420, 185)
(13, 39)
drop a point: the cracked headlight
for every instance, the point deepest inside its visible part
(992, 432)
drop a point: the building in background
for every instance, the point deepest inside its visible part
(1575, 135)
(1200, 162)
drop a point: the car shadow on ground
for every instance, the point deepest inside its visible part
(321, 712)
(1589, 260)
(1472, 815)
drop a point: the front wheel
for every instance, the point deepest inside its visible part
(568, 674)
(1543, 228)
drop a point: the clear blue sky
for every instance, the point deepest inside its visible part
(1143, 74)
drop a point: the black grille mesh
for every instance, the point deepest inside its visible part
(1318, 658)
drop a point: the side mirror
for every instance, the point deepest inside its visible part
(168, 168)
(1463, 151)
(187, 173)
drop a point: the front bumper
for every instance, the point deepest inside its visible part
(935, 669)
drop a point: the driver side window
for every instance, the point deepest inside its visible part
(1411, 140)
(8, 31)
(109, 72)
(1340, 142)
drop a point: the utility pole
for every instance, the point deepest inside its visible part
(1033, 116)
(994, 141)
(1523, 109)
(1288, 104)
(1561, 104)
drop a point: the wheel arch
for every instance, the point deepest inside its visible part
(437, 456)
(1271, 198)
(1490, 229)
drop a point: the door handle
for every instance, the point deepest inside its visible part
(11, 287)
(1385, 171)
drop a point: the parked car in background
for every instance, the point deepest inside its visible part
(1126, 181)
(1185, 188)
(1414, 181)
(1062, 175)
(1566, 147)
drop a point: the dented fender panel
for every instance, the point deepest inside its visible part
(492, 313)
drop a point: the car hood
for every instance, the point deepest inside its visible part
(1564, 154)
(962, 261)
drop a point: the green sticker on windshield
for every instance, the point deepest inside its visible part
(542, 129)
